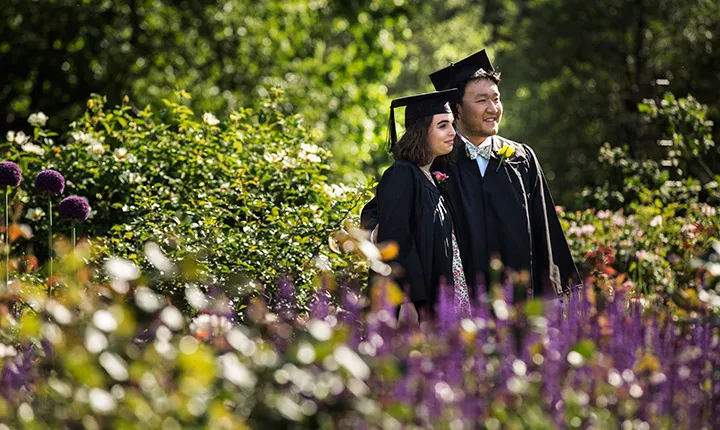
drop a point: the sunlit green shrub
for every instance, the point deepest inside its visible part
(247, 197)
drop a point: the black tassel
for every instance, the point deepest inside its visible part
(392, 133)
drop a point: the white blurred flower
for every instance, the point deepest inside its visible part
(121, 154)
(236, 372)
(604, 214)
(642, 255)
(147, 300)
(10, 136)
(121, 269)
(711, 298)
(708, 210)
(19, 137)
(34, 214)
(172, 318)
(310, 148)
(618, 220)
(335, 190)
(206, 326)
(313, 158)
(105, 321)
(352, 362)
(7, 351)
(587, 229)
(289, 163)
(96, 149)
(61, 314)
(101, 401)
(195, 297)
(157, 258)
(131, 177)
(210, 119)
(575, 358)
(690, 230)
(95, 340)
(322, 262)
(33, 148)
(657, 221)
(38, 118)
(82, 137)
(114, 365)
(272, 157)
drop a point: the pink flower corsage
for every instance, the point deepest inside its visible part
(440, 177)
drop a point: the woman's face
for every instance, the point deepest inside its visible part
(441, 134)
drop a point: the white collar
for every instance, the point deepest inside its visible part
(467, 142)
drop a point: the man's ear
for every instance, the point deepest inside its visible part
(458, 113)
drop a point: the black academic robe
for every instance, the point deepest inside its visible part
(510, 213)
(412, 212)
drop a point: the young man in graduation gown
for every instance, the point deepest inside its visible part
(501, 203)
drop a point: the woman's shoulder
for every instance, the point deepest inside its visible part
(401, 168)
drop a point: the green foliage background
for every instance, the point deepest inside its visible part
(574, 72)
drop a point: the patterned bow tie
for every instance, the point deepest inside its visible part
(483, 150)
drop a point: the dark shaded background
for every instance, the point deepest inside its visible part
(573, 71)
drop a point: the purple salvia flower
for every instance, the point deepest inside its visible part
(320, 304)
(75, 209)
(18, 375)
(445, 309)
(50, 181)
(481, 310)
(381, 323)
(509, 290)
(10, 174)
(349, 314)
(285, 302)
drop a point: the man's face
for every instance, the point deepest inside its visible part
(481, 109)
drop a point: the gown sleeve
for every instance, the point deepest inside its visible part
(396, 211)
(369, 215)
(551, 252)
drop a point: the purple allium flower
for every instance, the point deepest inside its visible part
(50, 181)
(75, 209)
(10, 174)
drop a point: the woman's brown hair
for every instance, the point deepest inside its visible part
(413, 145)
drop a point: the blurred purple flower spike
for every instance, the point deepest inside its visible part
(285, 303)
(320, 305)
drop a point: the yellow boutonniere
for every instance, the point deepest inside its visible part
(505, 152)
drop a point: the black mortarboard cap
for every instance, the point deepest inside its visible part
(420, 106)
(456, 73)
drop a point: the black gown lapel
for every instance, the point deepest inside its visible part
(508, 219)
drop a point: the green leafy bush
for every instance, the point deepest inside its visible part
(682, 169)
(248, 197)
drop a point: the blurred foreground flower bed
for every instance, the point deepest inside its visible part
(115, 354)
(218, 282)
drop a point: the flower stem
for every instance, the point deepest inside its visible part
(74, 242)
(50, 250)
(7, 242)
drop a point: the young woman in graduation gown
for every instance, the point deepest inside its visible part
(412, 211)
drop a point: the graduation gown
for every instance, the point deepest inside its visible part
(509, 213)
(412, 212)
